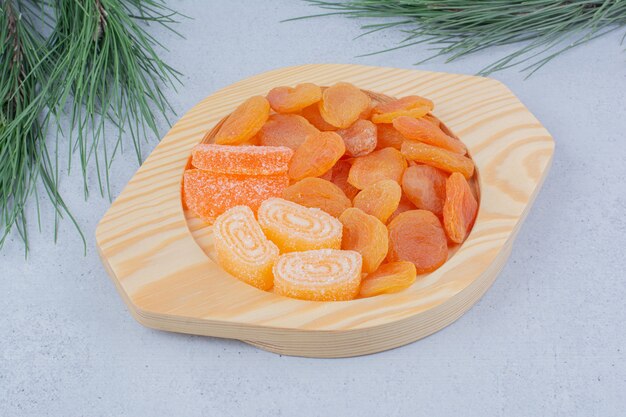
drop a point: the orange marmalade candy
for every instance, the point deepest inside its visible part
(242, 248)
(289, 100)
(293, 227)
(244, 122)
(459, 209)
(245, 160)
(412, 106)
(380, 199)
(317, 154)
(339, 177)
(424, 131)
(316, 192)
(388, 278)
(318, 275)
(360, 138)
(425, 187)
(285, 130)
(208, 194)
(417, 236)
(438, 158)
(384, 164)
(342, 104)
(365, 234)
(389, 137)
(312, 114)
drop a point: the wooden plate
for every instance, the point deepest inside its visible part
(160, 258)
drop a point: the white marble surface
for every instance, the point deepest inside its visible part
(547, 340)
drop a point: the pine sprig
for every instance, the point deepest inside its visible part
(83, 66)
(455, 28)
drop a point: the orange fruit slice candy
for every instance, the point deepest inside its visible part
(242, 160)
(208, 195)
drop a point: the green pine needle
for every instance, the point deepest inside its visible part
(455, 28)
(84, 65)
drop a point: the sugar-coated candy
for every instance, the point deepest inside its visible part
(242, 249)
(318, 275)
(293, 227)
(208, 195)
(241, 160)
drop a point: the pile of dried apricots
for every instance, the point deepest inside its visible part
(327, 194)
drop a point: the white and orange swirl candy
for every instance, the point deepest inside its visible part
(242, 248)
(318, 275)
(293, 227)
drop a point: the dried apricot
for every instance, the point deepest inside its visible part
(388, 278)
(312, 114)
(244, 122)
(388, 137)
(417, 236)
(412, 106)
(209, 195)
(425, 186)
(328, 175)
(342, 104)
(285, 130)
(459, 209)
(331, 275)
(384, 164)
(317, 154)
(339, 177)
(404, 205)
(435, 120)
(289, 99)
(424, 131)
(380, 199)
(360, 138)
(438, 158)
(244, 160)
(317, 192)
(365, 234)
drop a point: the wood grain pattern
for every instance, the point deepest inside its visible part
(155, 256)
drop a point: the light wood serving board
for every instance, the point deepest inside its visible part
(160, 258)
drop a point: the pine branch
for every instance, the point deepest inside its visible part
(99, 67)
(456, 28)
